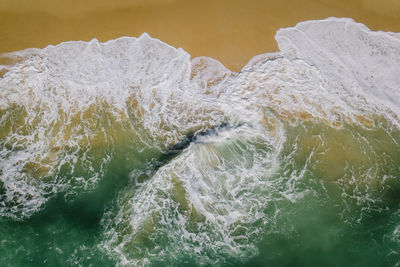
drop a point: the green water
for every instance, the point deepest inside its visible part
(127, 153)
(330, 222)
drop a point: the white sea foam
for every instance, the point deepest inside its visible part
(361, 66)
(204, 202)
(60, 101)
(290, 85)
(8, 60)
(66, 101)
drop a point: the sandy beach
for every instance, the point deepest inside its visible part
(129, 153)
(231, 31)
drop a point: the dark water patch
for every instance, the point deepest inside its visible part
(64, 232)
(60, 235)
(67, 230)
(2, 187)
(192, 137)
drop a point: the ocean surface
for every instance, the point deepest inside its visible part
(130, 153)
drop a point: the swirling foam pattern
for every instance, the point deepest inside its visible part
(315, 124)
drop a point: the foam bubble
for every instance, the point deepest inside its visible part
(63, 103)
(359, 65)
(65, 110)
(204, 204)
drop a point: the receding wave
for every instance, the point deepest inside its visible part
(210, 163)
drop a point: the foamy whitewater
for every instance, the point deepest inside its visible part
(130, 153)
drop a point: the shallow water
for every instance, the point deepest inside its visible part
(130, 153)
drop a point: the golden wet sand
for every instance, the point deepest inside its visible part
(232, 31)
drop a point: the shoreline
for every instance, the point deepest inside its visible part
(230, 31)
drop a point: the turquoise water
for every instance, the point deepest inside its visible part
(320, 228)
(129, 153)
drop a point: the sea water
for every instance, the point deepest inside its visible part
(130, 153)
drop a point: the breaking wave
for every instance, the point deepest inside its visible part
(214, 159)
